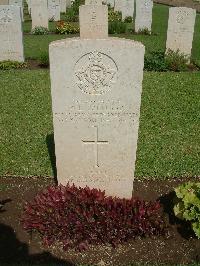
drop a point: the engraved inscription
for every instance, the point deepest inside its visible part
(6, 16)
(95, 73)
(96, 142)
(97, 112)
(94, 16)
(182, 16)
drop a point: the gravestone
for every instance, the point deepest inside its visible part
(11, 38)
(39, 13)
(94, 21)
(4, 2)
(143, 18)
(181, 29)
(69, 3)
(18, 3)
(54, 10)
(96, 87)
(93, 2)
(63, 6)
(126, 7)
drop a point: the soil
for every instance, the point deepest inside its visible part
(185, 3)
(179, 246)
(34, 64)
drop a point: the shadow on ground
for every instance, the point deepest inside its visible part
(51, 149)
(14, 252)
(183, 227)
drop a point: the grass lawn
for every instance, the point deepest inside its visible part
(35, 45)
(169, 130)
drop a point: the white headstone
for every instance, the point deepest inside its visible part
(63, 6)
(181, 29)
(69, 3)
(18, 3)
(39, 13)
(11, 38)
(126, 7)
(143, 18)
(4, 2)
(96, 87)
(93, 2)
(54, 10)
(94, 21)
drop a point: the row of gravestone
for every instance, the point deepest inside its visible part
(126, 7)
(50, 9)
(93, 24)
(96, 88)
(63, 4)
(143, 11)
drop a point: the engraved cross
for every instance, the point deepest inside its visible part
(96, 142)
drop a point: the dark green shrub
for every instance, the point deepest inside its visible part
(187, 205)
(44, 59)
(176, 61)
(114, 16)
(40, 31)
(155, 61)
(128, 19)
(171, 61)
(116, 27)
(6, 65)
(144, 31)
(72, 14)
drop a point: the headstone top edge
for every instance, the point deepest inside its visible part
(7, 6)
(110, 39)
(183, 8)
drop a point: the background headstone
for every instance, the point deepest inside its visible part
(96, 87)
(63, 6)
(143, 18)
(94, 21)
(181, 29)
(11, 38)
(54, 10)
(93, 2)
(126, 7)
(18, 3)
(69, 3)
(39, 13)
(4, 2)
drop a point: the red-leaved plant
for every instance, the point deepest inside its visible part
(77, 217)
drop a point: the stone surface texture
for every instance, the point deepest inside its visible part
(143, 18)
(63, 6)
(11, 38)
(54, 10)
(93, 2)
(181, 29)
(126, 7)
(18, 3)
(96, 93)
(94, 21)
(39, 13)
(4, 2)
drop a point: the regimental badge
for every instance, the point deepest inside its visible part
(6, 15)
(95, 73)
